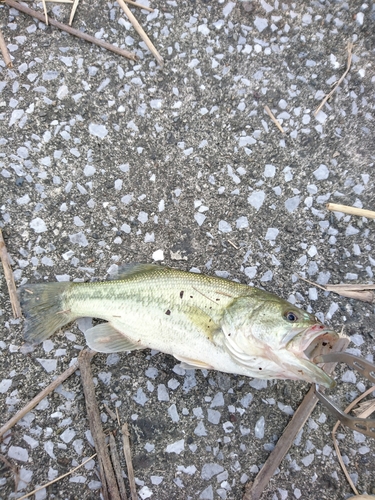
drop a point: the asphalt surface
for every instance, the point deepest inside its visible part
(105, 161)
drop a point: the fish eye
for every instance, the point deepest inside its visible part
(291, 316)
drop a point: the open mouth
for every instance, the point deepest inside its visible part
(315, 341)
(304, 347)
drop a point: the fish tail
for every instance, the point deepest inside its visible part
(45, 310)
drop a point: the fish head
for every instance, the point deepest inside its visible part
(277, 332)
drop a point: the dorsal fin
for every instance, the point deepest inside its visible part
(133, 269)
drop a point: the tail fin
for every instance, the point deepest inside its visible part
(44, 309)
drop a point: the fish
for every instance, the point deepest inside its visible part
(203, 321)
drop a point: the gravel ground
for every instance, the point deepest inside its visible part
(105, 161)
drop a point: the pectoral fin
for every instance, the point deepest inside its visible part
(105, 338)
(192, 364)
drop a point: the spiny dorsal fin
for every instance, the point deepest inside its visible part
(105, 338)
(134, 269)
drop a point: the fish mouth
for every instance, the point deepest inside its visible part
(305, 346)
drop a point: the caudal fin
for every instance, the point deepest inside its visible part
(43, 306)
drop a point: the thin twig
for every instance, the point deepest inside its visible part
(352, 291)
(110, 412)
(117, 467)
(4, 51)
(38, 398)
(370, 214)
(138, 28)
(93, 415)
(57, 478)
(8, 274)
(128, 459)
(233, 245)
(45, 12)
(14, 469)
(139, 5)
(335, 444)
(72, 31)
(275, 121)
(73, 11)
(349, 49)
(312, 283)
(254, 490)
(118, 416)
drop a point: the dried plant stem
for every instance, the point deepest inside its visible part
(117, 467)
(370, 214)
(73, 11)
(57, 478)
(254, 490)
(233, 245)
(364, 414)
(352, 291)
(110, 412)
(328, 96)
(275, 121)
(106, 471)
(138, 28)
(8, 274)
(45, 11)
(14, 469)
(31, 404)
(139, 5)
(281, 449)
(128, 459)
(72, 31)
(4, 51)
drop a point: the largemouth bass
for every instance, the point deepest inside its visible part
(203, 321)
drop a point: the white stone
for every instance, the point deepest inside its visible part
(321, 117)
(145, 492)
(141, 397)
(229, 7)
(4, 385)
(272, 233)
(67, 435)
(38, 225)
(359, 18)
(210, 470)
(321, 173)
(199, 218)
(256, 199)
(98, 130)
(162, 393)
(172, 412)
(18, 453)
(213, 416)
(79, 239)
(259, 428)
(158, 255)
(176, 447)
(224, 227)
(269, 171)
(251, 271)
(292, 203)
(260, 23)
(308, 460)
(89, 170)
(48, 364)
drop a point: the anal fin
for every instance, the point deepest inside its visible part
(192, 364)
(105, 338)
